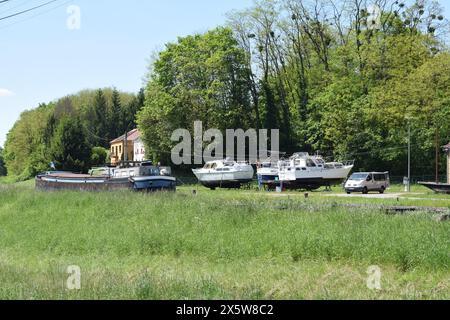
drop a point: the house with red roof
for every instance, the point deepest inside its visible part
(126, 141)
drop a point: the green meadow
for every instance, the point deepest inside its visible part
(219, 245)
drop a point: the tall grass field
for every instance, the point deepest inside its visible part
(217, 245)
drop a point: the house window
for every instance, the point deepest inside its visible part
(120, 149)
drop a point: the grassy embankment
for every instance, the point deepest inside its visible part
(223, 244)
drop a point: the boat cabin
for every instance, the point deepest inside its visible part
(334, 165)
(135, 172)
(132, 169)
(220, 165)
(304, 160)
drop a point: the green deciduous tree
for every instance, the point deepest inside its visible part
(337, 82)
(325, 74)
(99, 156)
(31, 142)
(25, 150)
(201, 77)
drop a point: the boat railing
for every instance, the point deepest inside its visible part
(348, 163)
(300, 155)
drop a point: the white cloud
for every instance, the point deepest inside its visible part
(6, 93)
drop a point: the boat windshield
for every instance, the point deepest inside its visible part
(210, 165)
(155, 172)
(320, 161)
(359, 176)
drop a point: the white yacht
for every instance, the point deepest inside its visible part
(224, 174)
(312, 172)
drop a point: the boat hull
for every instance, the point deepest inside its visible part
(225, 184)
(313, 179)
(86, 183)
(81, 185)
(159, 183)
(437, 187)
(311, 183)
(229, 180)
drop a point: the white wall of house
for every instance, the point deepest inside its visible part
(139, 150)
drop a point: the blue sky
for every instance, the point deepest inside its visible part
(41, 59)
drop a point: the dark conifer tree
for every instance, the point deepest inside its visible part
(101, 114)
(70, 150)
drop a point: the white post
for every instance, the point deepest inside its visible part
(448, 166)
(409, 156)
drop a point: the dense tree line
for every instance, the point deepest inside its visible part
(333, 76)
(73, 132)
(201, 77)
(2, 164)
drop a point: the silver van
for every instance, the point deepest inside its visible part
(368, 181)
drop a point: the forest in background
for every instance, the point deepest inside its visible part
(332, 78)
(329, 75)
(3, 170)
(74, 132)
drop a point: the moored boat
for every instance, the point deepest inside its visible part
(138, 176)
(437, 187)
(224, 174)
(312, 172)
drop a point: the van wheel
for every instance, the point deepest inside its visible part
(348, 192)
(365, 190)
(382, 190)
